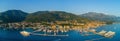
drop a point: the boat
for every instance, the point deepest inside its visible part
(102, 32)
(93, 30)
(109, 34)
(106, 34)
(25, 33)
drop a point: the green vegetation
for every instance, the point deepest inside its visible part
(12, 16)
(52, 16)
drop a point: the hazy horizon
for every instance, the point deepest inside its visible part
(110, 7)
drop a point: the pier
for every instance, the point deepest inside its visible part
(47, 34)
(25, 33)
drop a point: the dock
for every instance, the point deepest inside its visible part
(47, 34)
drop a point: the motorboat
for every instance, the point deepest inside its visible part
(109, 34)
(102, 32)
(25, 33)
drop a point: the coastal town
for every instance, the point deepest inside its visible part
(56, 27)
(63, 25)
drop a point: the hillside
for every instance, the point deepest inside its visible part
(100, 17)
(51, 16)
(12, 16)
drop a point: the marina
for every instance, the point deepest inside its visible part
(59, 20)
(78, 35)
(73, 35)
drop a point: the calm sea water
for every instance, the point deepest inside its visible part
(6, 35)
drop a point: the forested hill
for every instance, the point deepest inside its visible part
(12, 16)
(53, 16)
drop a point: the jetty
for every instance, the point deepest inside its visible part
(25, 33)
(47, 34)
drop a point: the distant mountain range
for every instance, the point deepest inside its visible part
(100, 17)
(50, 16)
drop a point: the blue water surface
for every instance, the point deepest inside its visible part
(8, 35)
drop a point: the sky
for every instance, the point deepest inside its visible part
(111, 7)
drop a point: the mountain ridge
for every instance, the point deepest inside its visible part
(52, 16)
(100, 16)
(13, 16)
(39, 16)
